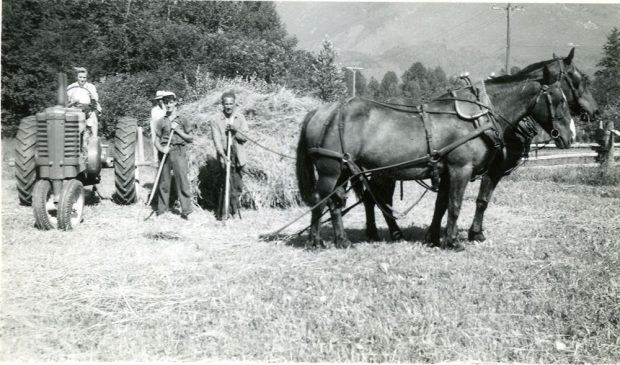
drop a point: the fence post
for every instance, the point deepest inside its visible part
(607, 161)
(139, 160)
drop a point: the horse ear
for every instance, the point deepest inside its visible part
(569, 58)
(554, 56)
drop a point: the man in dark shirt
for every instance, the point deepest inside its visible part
(176, 160)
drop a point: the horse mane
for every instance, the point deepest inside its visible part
(536, 66)
(523, 74)
(504, 79)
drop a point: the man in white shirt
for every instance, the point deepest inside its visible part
(83, 95)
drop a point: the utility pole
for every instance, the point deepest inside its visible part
(354, 70)
(508, 8)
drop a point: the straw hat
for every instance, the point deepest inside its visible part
(160, 94)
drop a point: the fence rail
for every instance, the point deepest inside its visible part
(578, 154)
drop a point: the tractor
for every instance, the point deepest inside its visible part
(55, 158)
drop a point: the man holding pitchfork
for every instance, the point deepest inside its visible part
(228, 131)
(172, 136)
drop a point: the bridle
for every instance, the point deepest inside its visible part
(564, 76)
(545, 91)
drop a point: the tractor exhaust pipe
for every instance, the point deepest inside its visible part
(62, 89)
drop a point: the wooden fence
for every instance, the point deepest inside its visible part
(550, 155)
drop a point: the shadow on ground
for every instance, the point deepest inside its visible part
(412, 234)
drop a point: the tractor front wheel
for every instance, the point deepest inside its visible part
(71, 206)
(25, 169)
(125, 160)
(45, 210)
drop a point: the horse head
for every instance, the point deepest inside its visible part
(550, 110)
(577, 87)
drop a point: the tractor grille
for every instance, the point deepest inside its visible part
(71, 139)
(42, 145)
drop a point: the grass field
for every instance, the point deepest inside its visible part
(545, 286)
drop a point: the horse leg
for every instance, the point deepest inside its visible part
(335, 207)
(459, 177)
(487, 187)
(329, 171)
(433, 234)
(315, 240)
(369, 208)
(386, 194)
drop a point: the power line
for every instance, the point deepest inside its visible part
(508, 8)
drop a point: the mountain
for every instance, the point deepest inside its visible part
(458, 37)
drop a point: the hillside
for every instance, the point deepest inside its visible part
(457, 36)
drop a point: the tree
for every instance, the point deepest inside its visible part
(415, 81)
(139, 37)
(607, 94)
(299, 70)
(607, 78)
(372, 89)
(327, 79)
(389, 86)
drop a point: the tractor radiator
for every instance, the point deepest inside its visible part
(71, 140)
(58, 143)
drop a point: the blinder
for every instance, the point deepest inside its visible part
(544, 90)
(574, 91)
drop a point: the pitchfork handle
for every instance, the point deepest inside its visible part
(161, 167)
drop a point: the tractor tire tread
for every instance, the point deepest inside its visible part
(25, 167)
(124, 160)
(70, 192)
(39, 201)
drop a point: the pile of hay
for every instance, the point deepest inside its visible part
(274, 120)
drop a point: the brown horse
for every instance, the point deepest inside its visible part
(446, 139)
(517, 140)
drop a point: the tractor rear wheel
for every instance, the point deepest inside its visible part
(71, 206)
(45, 210)
(25, 169)
(125, 160)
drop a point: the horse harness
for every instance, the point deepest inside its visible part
(485, 122)
(489, 131)
(564, 76)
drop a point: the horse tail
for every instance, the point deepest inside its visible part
(304, 168)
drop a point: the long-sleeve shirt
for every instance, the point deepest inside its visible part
(218, 130)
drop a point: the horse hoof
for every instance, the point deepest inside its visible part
(431, 239)
(455, 246)
(314, 244)
(476, 236)
(398, 236)
(344, 244)
(373, 236)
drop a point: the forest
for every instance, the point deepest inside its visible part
(134, 47)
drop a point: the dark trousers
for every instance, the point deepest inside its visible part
(236, 188)
(175, 161)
